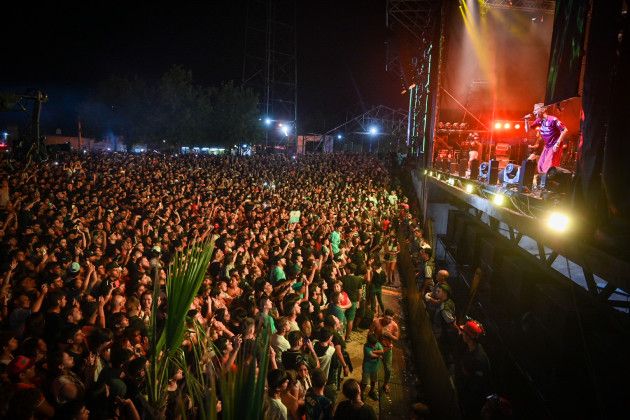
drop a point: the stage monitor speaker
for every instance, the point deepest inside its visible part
(557, 180)
(463, 166)
(454, 168)
(526, 174)
(489, 172)
(474, 169)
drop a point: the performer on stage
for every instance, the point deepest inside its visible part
(552, 132)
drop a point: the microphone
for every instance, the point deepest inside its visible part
(528, 116)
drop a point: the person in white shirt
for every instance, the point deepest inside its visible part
(325, 349)
(279, 341)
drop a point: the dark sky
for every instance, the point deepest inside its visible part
(67, 50)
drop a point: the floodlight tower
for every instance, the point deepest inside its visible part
(270, 61)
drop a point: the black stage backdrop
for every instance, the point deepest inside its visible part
(567, 46)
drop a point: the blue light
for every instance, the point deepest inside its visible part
(267, 121)
(339, 136)
(373, 130)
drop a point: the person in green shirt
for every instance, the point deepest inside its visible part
(335, 240)
(377, 278)
(352, 285)
(372, 354)
(277, 272)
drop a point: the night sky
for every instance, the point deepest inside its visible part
(67, 50)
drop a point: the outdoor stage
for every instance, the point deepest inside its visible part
(530, 216)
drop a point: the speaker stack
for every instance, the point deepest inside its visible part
(489, 172)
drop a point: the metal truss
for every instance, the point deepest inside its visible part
(270, 58)
(418, 17)
(602, 275)
(544, 6)
(355, 133)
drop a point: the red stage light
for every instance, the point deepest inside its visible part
(507, 125)
(497, 125)
(517, 126)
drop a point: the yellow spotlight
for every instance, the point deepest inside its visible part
(507, 125)
(498, 125)
(431, 173)
(438, 176)
(469, 188)
(558, 222)
(451, 182)
(425, 171)
(517, 126)
(498, 199)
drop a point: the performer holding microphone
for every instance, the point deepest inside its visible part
(552, 131)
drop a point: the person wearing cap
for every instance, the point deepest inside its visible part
(22, 373)
(552, 131)
(472, 373)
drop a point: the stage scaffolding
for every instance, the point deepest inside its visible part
(419, 20)
(270, 62)
(354, 135)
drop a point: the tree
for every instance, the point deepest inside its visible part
(173, 109)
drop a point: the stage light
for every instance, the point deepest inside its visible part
(285, 130)
(497, 125)
(558, 222)
(431, 173)
(451, 182)
(373, 130)
(425, 171)
(469, 188)
(267, 121)
(339, 136)
(438, 176)
(507, 126)
(498, 199)
(517, 126)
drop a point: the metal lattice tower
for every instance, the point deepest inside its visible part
(419, 20)
(544, 6)
(390, 124)
(270, 60)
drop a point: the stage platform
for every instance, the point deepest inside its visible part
(524, 215)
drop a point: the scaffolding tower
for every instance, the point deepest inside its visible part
(270, 64)
(419, 20)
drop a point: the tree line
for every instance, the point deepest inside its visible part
(172, 111)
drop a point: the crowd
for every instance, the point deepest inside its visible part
(302, 248)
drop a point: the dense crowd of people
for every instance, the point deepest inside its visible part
(302, 248)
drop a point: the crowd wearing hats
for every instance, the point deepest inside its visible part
(82, 240)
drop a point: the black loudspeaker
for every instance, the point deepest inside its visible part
(558, 180)
(454, 168)
(526, 174)
(453, 215)
(489, 172)
(463, 165)
(474, 169)
(469, 254)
